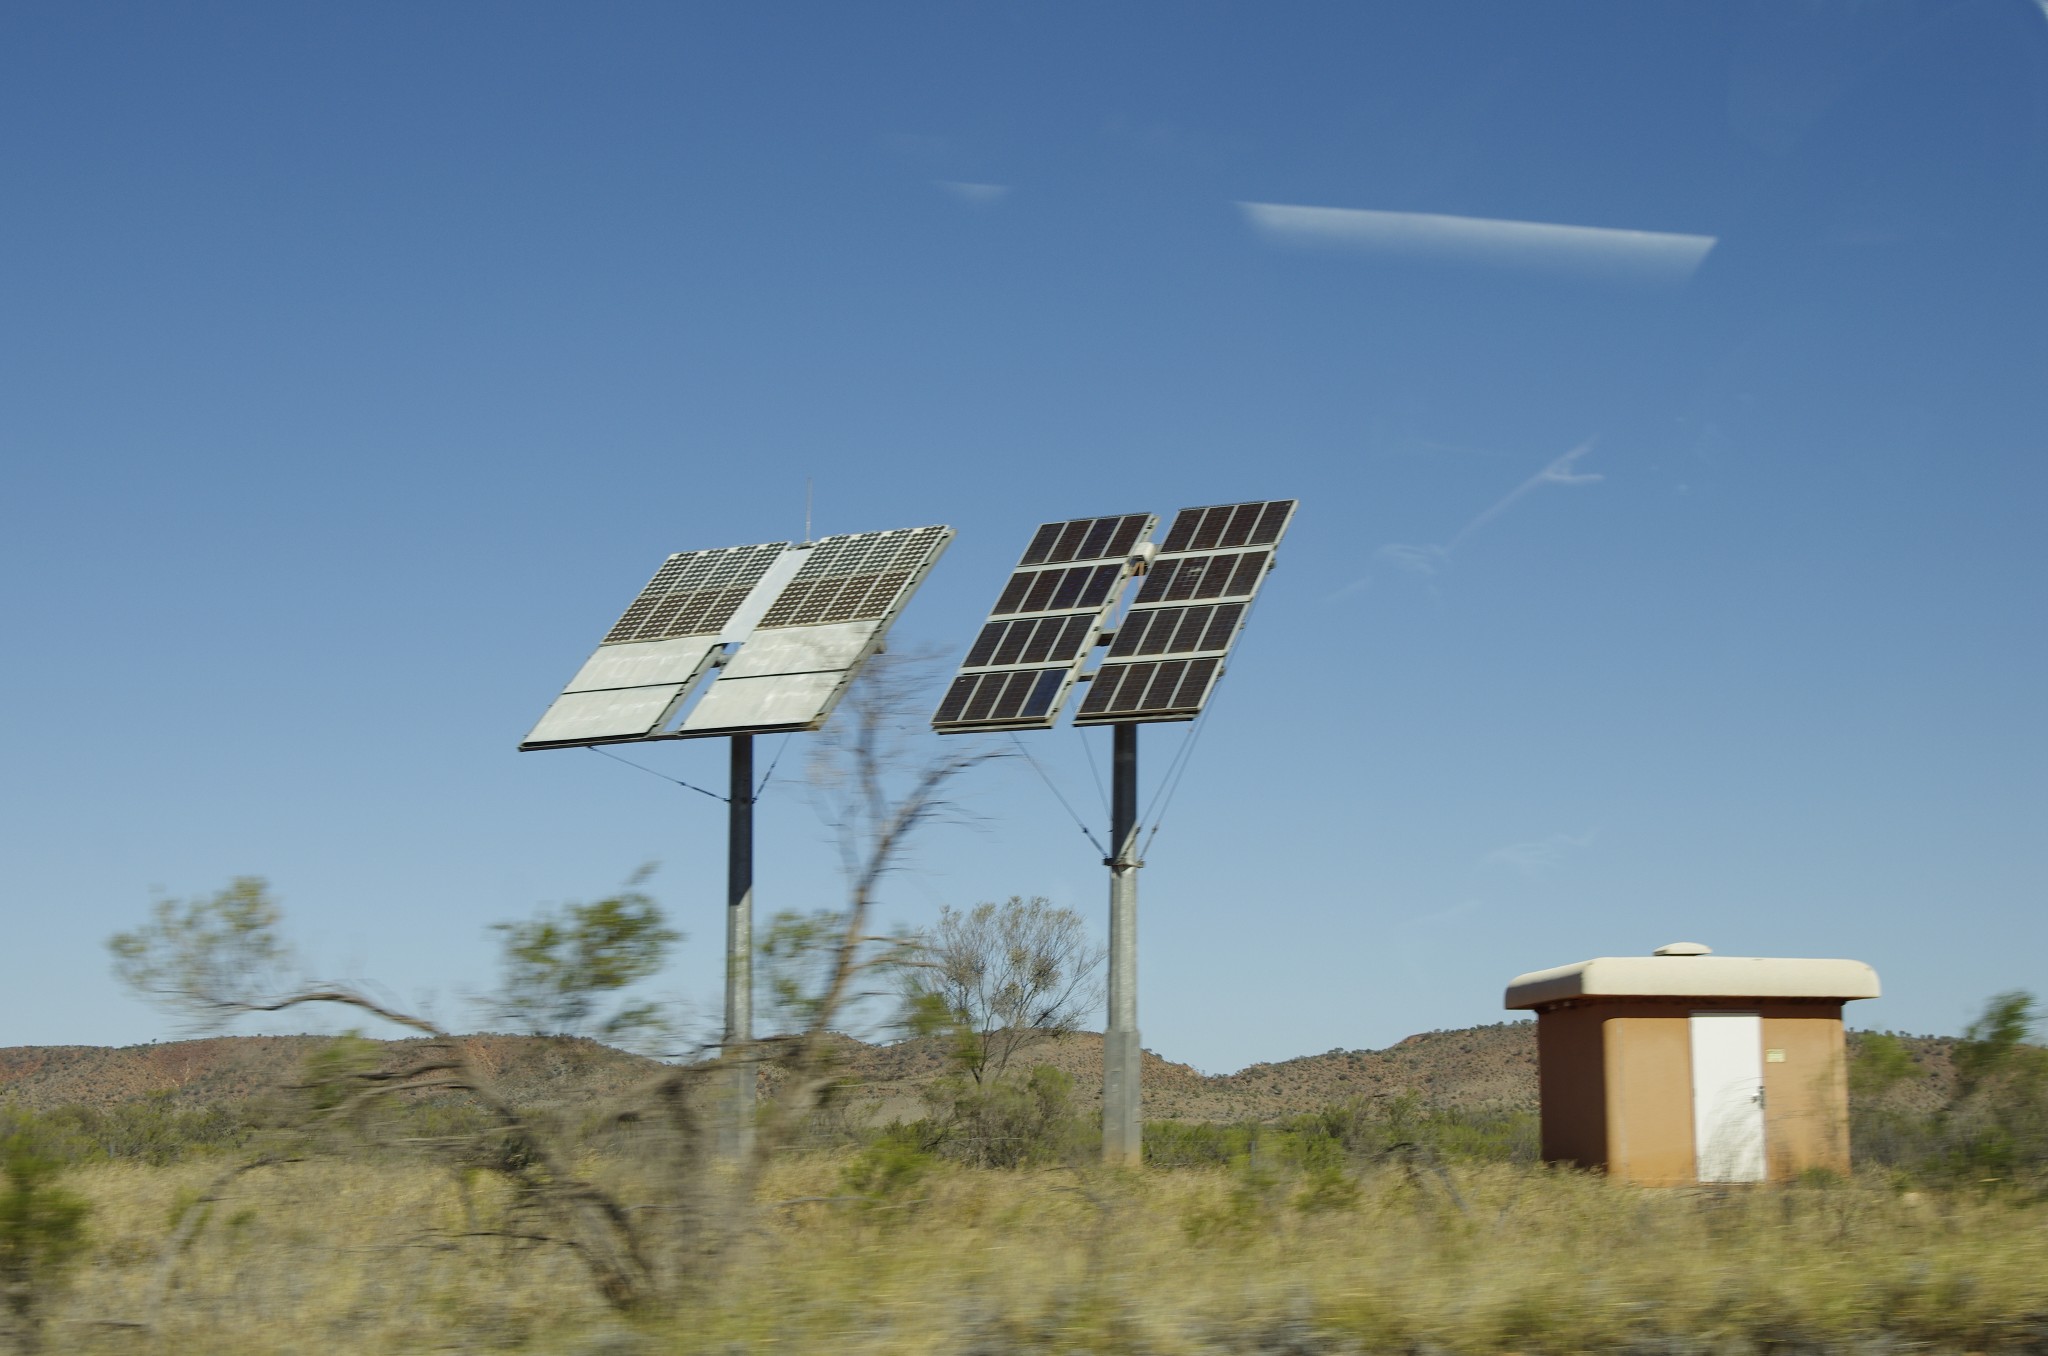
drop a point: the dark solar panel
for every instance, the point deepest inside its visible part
(1153, 689)
(1168, 651)
(1044, 623)
(1085, 539)
(1057, 590)
(1031, 640)
(1001, 697)
(1220, 526)
(1228, 574)
(1177, 630)
(955, 700)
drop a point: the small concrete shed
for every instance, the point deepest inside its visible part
(1684, 1066)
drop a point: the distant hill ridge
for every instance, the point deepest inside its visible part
(1468, 1069)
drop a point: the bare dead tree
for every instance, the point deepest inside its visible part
(1002, 977)
(879, 777)
(197, 957)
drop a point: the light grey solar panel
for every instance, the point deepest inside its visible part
(803, 619)
(832, 614)
(604, 717)
(658, 650)
(1019, 669)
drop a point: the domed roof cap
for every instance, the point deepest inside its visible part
(1701, 975)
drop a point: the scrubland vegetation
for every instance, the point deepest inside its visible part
(401, 1197)
(1376, 1227)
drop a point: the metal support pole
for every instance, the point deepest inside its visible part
(1121, 1052)
(737, 1131)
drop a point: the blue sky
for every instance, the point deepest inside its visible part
(358, 364)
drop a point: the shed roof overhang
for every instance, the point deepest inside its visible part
(1694, 977)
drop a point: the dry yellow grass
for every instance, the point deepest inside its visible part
(334, 1257)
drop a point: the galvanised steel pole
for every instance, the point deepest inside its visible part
(1120, 1049)
(737, 1132)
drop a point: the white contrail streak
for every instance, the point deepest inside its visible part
(1658, 257)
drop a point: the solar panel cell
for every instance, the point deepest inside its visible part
(1272, 522)
(955, 702)
(1244, 580)
(1182, 531)
(1058, 639)
(1013, 644)
(1125, 539)
(1040, 596)
(1222, 627)
(1042, 542)
(1040, 699)
(1096, 544)
(988, 687)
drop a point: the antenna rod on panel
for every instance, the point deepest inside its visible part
(807, 510)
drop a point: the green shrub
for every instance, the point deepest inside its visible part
(1008, 1122)
(1350, 1130)
(42, 1231)
(890, 1169)
(1992, 1129)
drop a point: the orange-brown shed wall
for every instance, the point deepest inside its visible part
(1616, 1082)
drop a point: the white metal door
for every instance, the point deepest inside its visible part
(1728, 1095)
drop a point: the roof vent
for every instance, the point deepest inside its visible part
(1684, 949)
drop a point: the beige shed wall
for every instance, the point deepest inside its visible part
(1649, 1101)
(1616, 1083)
(1806, 1097)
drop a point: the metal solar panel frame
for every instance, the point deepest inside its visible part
(1170, 649)
(712, 614)
(1036, 639)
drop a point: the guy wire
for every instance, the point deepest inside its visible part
(663, 775)
(1082, 823)
(766, 776)
(1100, 794)
(1176, 770)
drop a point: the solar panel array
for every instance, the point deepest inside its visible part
(1170, 647)
(1166, 654)
(1030, 650)
(804, 617)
